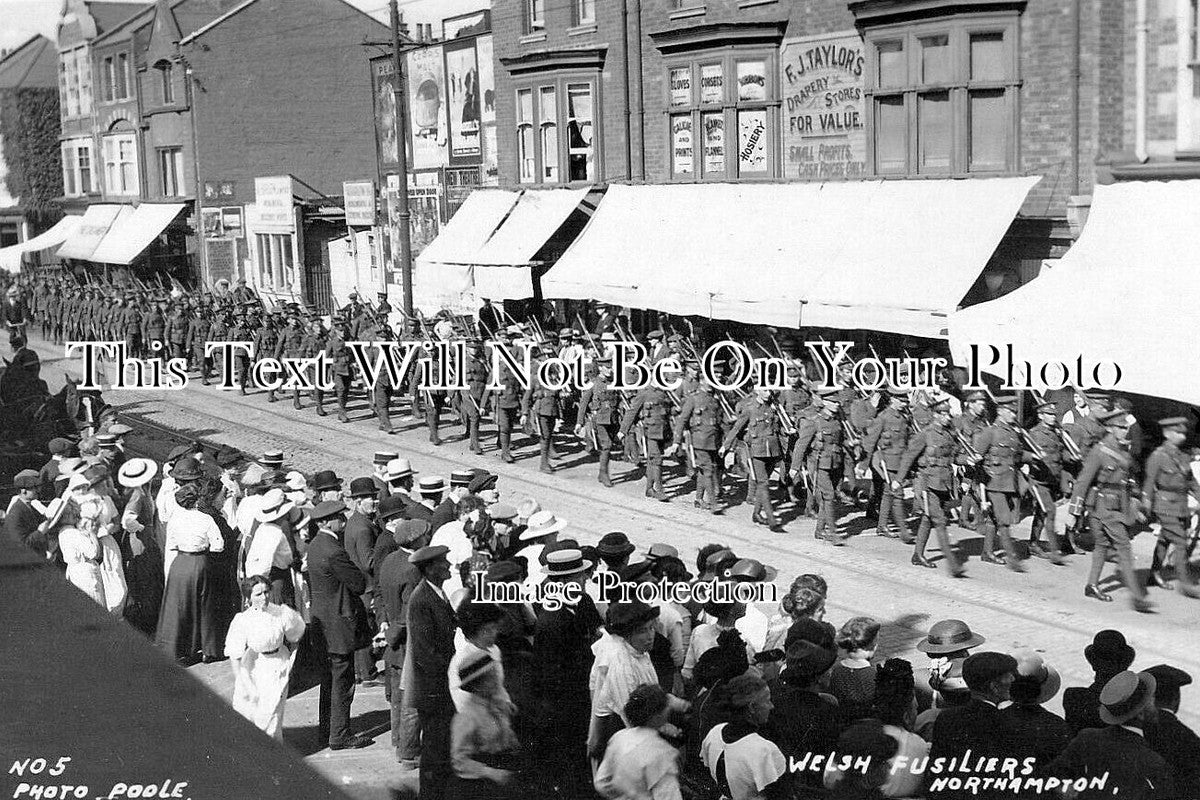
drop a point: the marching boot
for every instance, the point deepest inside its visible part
(341, 412)
(271, 398)
(296, 399)
(650, 470)
(505, 444)
(1094, 590)
(1156, 576)
(603, 477)
(918, 558)
(1185, 585)
(431, 421)
(659, 492)
(321, 412)
(1141, 604)
(473, 433)
(545, 466)
(989, 544)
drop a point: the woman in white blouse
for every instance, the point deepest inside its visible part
(93, 559)
(187, 619)
(261, 643)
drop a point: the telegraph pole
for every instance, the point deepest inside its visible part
(403, 259)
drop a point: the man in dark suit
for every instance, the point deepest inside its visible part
(447, 510)
(361, 533)
(397, 580)
(1038, 732)
(979, 725)
(1109, 654)
(1175, 742)
(22, 523)
(431, 624)
(390, 508)
(1120, 749)
(339, 620)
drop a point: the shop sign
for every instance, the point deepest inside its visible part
(824, 107)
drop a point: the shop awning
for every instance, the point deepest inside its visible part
(879, 255)
(442, 273)
(502, 266)
(95, 223)
(128, 237)
(1127, 292)
(10, 257)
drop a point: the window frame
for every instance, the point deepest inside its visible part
(960, 86)
(73, 170)
(177, 170)
(577, 10)
(166, 82)
(560, 83)
(115, 182)
(728, 57)
(535, 22)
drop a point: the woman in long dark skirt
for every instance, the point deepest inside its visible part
(140, 552)
(226, 594)
(187, 624)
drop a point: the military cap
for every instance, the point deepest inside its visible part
(942, 404)
(1173, 422)
(897, 392)
(609, 336)
(1112, 417)
(566, 333)
(428, 554)
(327, 510)
(1006, 401)
(655, 335)
(980, 669)
(827, 392)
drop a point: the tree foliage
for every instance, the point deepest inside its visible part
(29, 125)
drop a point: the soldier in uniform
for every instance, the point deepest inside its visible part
(51, 325)
(884, 446)
(759, 419)
(1165, 491)
(1046, 482)
(218, 331)
(541, 408)
(339, 364)
(933, 450)
(291, 340)
(177, 326)
(699, 426)
(971, 421)
(312, 343)
(471, 399)
(199, 332)
(266, 338)
(434, 399)
(507, 399)
(1102, 490)
(820, 438)
(599, 409)
(155, 331)
(241, 332)
(130, 326)
(651, 409)
(1002, 452)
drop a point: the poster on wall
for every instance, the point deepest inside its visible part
(427, 101)
(682, 149)
(462, 88)
(210, 223)
(221, 257)
(425, 212)
(752, 141)
(822, 83)
(487, 80)
(383, 87)
(232, 221)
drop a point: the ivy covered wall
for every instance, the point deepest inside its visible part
(29, 124)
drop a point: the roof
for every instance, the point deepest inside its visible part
(242, 6)
(31, 65)
(110, 15)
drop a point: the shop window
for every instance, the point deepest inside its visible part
(944, 96)
(170, 165)
(77, 167)
(556, 133)
(723, 116)
(121, 164)
(276, 264)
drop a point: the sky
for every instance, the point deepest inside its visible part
(21, 19)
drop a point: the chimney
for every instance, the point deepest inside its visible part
(429, 33)
(403, 25)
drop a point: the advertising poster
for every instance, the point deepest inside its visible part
(462, 85)
(714, 143)
(359, 200)
(210, 223)
(824, 108)
(425, 210)
(232, 220)
(752, 141)
(383, 86)
(427, 101)
(487, 80)
(682, 147)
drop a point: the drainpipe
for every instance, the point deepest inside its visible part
(1142, 33)
(626, 78)
(638, 173)
(1073, 88)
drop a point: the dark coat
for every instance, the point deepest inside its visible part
(397, 580)
(360, 535)
(431, 625)
(1134, 770)
(21, 526)
(1081, 706)
(803, 722)
(562, 659)
(336, 586)
(1179, 746)
(976, 726)
(1038, 732)
(413, 509)
(446, 512)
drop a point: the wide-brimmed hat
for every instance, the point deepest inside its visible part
(54, 511)
(295, 481)
(274, 505)
(399, 468)
(614, 544)
(749, 570)
(543, 523)
(567, 561)
(326, 481)
(136, 472)
(1125, 696)
(623, 619)
(1036, 681)
(327, 510)
(659, 550)
(1109, 650)
(949, 636)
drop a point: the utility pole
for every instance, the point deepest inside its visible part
(405, 255)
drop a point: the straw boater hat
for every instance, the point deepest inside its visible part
(399, 468)
(543, 523)
(432, 484)
(1125, 696)
(566, 562)
(274, 506)
(136, 472)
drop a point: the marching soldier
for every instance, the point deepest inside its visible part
(507, 399)
(1002, 452)
(1046, 483)
(541, 409)
(1103, 490)
(290, 343)
(199, 331)
(651, 410)
(266, 338)
(884, 445)
(471, 399)
(177, 325)
(759, 419)
(311, 343)
(218, 331)
(339, 365)
(821, 438)
(971, 421)
(1165, 490)
(155, 331)
(435, 399)
(699, 427)
(599, 410)
(241, 332)
(933, 450)
(1083, 424)
(131, 327)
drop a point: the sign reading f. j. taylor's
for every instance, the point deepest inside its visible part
(822, 81)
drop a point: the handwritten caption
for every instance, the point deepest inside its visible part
(38, 781)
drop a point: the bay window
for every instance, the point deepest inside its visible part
(556, 132)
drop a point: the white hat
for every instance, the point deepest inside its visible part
(54, 511)
(543, 523)
(399, 468)
(136, 472)
(527, 508)
(274, 505)
(77, 481)
(296, 481)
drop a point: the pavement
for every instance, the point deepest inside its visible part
(1042, 610)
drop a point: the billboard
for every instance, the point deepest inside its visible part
(383, 89)
(427, 105)
(463, 90)
(824, 107)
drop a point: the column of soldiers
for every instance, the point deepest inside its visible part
(826, 451)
